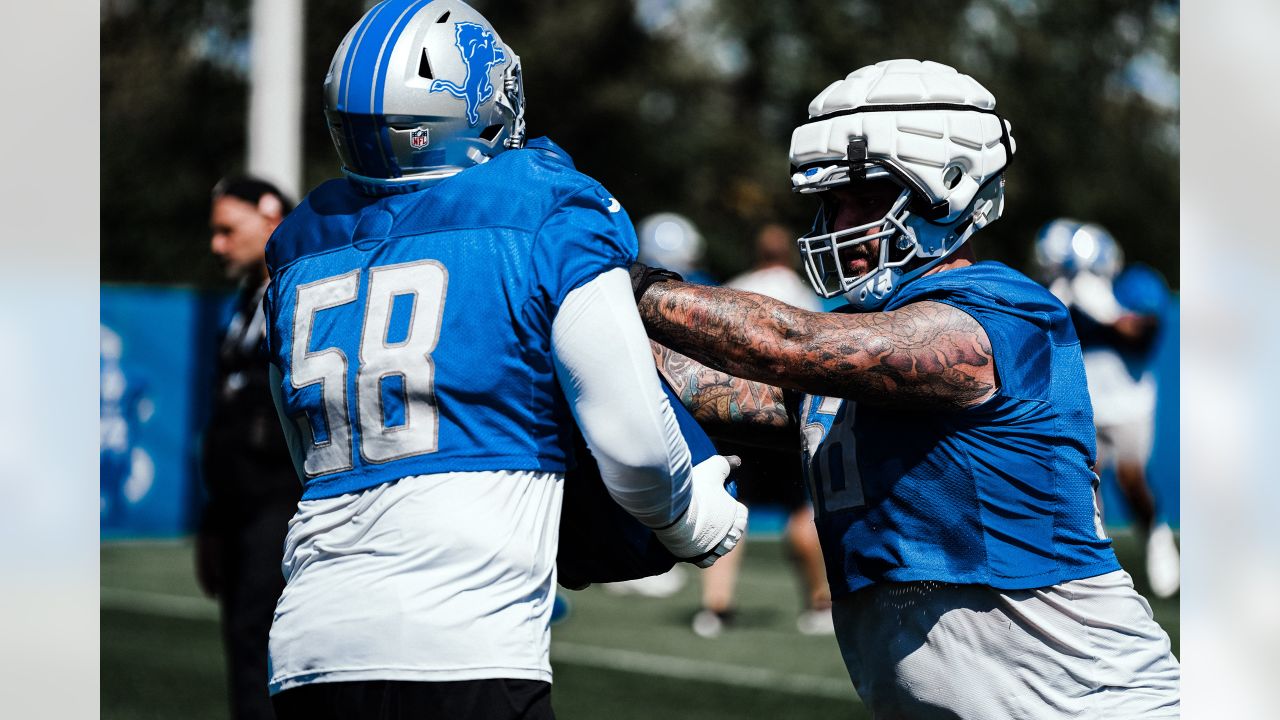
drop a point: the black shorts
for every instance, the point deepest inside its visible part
(496, 699)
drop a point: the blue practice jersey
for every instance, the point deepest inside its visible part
(1001, 494)
(412, 332)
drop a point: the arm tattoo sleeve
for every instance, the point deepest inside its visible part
(727, 406)
(926, 354)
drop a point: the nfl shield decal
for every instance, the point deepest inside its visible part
(419, 137)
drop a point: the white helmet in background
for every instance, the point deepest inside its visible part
(926, 128)
(418, 92)
(670, 241)
(1065, 247)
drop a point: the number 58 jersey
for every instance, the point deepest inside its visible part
(410, 334)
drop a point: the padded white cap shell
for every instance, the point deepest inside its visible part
(945, 153)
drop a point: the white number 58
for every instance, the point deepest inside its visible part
(410, 359)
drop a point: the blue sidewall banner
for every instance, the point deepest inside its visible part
(157, 365)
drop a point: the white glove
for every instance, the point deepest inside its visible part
(714, 521)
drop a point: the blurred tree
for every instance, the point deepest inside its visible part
(682, 105)
(173, 110)
(174, 82)
(688, 105)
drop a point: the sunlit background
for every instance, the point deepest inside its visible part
(681, 105)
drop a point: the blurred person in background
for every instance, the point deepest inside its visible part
(251, 487)
(774, 272)
(771, 477)
(1117, 317)
(672, 241)
(437, 320)
(943, 416)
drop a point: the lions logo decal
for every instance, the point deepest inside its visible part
(480, 52)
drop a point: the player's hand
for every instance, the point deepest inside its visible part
(1135, 328)
(642, 276)
(714, 522)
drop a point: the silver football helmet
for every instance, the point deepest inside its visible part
(1065, 247)
(420, 91)
(670, 241)
(926, 128)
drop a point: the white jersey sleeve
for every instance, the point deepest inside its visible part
(605, 367)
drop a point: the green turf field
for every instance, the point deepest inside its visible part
(615, 657)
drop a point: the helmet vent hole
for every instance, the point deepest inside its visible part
(491, 132)
(951, 177)
(424, 66)
(444, 17)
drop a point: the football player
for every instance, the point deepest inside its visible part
(943, 416)
(1117, 316)
(437, 320)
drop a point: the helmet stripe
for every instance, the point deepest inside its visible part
(368, 54)
(381, 71)
(388, 45)
(366, 59)
(353, 51)
(343, 102)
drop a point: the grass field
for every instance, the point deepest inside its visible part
(615, 657)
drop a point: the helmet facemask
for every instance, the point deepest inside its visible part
(829, 254)
(511, 99)
(909, 244)
(923, 126)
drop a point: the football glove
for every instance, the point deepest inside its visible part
(714, 521)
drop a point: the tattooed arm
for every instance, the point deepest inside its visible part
(926, 354)
(727, 407)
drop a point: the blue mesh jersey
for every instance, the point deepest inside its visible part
(412, 332)
(999, 495)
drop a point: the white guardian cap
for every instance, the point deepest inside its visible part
(419, 91)
(928, 129)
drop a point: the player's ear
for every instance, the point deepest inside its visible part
(271, 208)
